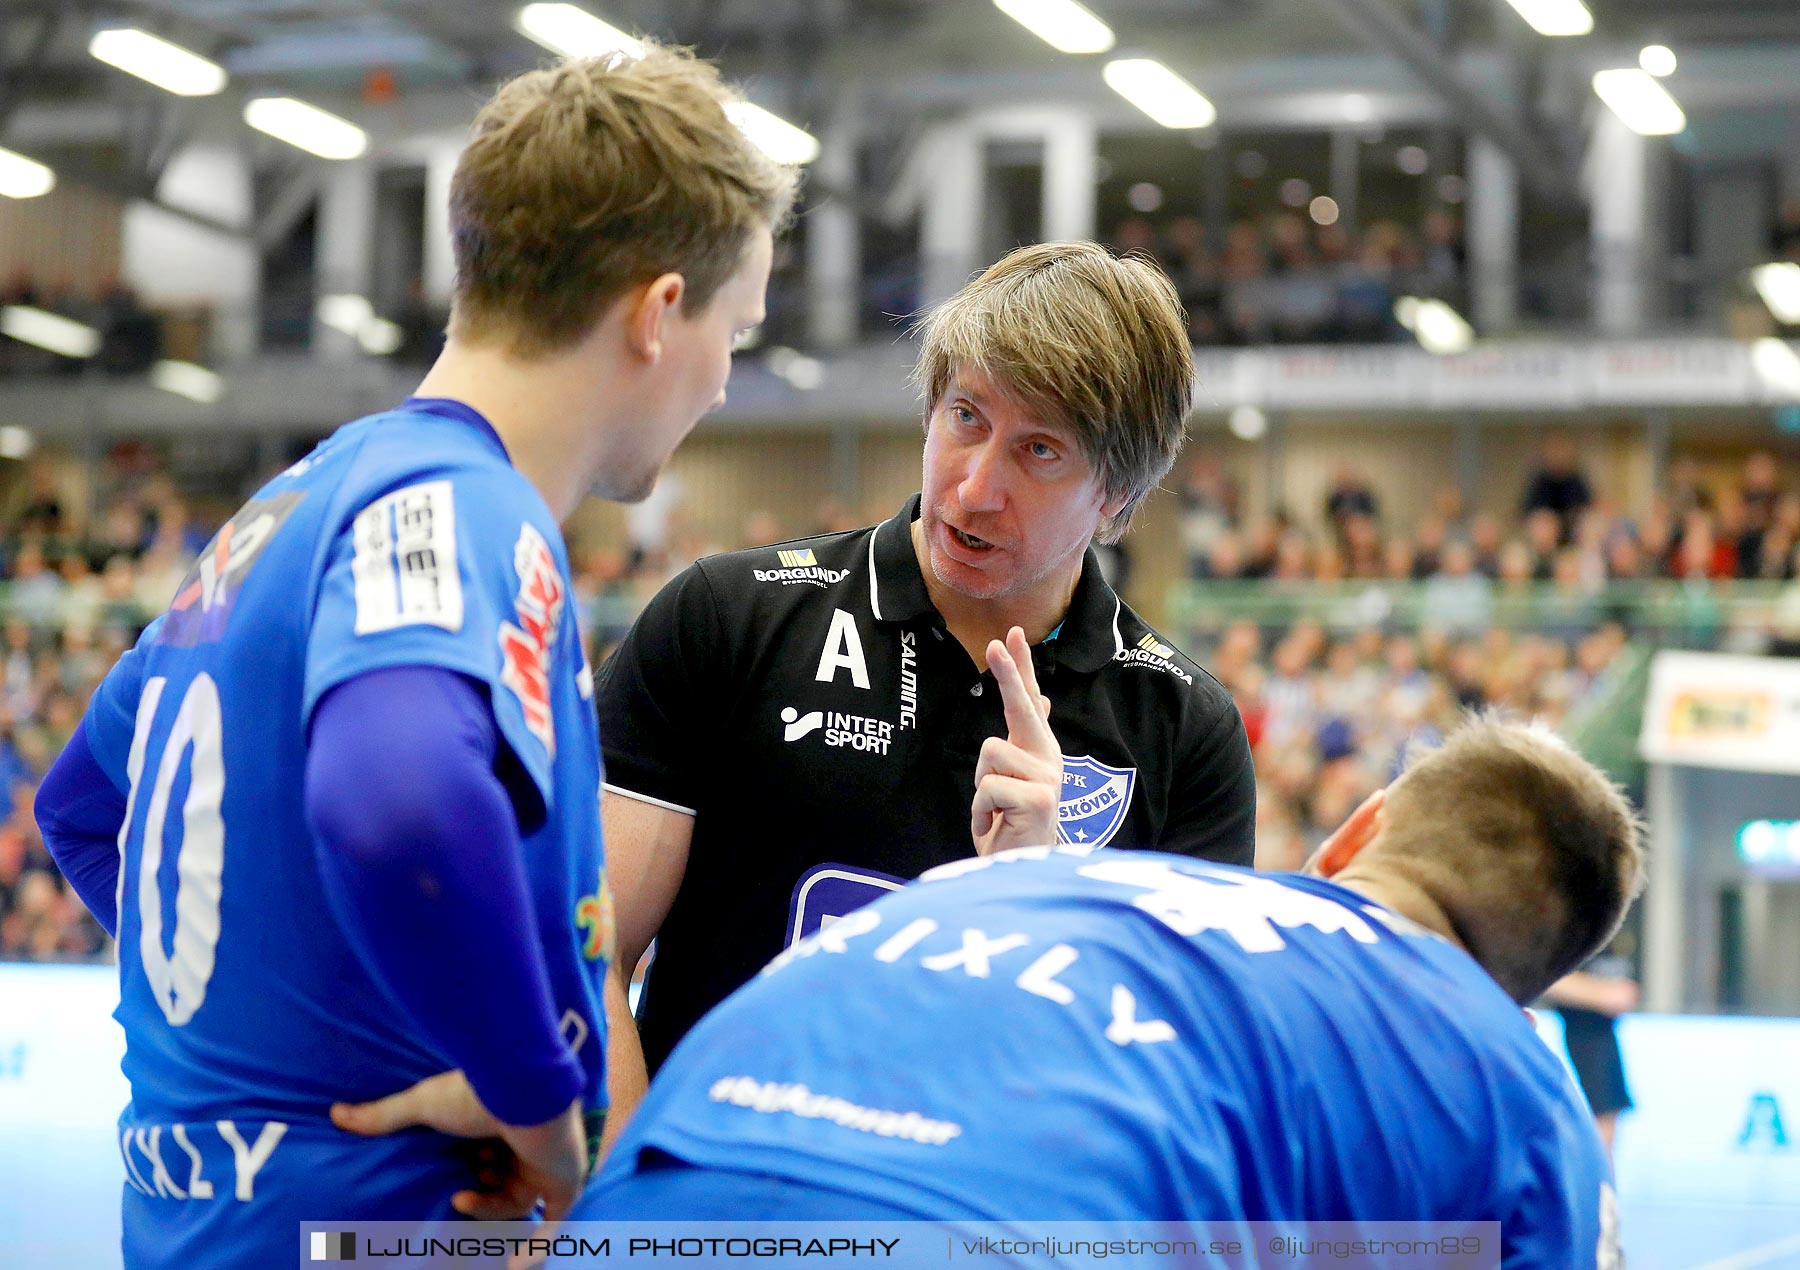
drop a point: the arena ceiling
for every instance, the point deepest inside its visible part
(400, 66)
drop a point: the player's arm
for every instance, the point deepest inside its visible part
(82, 801)
(79, 811)
(419, 845)
(1212, 795)
(646, 857)
(1585, 990)
(659, 698)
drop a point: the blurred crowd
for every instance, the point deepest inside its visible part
(1330, 701)
(1562, 534)
(1527, 612)
(1330, 718)
(77, 596)
(1288, 280)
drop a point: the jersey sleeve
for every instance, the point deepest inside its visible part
(456, 570)
(659, 693)
(1212, 796)
(111, 718)
(1561, 1210)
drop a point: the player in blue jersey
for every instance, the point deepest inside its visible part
(340, 803)
(1069, 1034)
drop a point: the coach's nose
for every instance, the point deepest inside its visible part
(983, 486)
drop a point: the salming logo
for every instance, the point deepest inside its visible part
(797, 559)
(1149, 645)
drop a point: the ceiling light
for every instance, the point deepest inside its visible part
(380, 337)
(24, 178)
(1324, 210)
(1657, 60)
(185, 379)
(1356, 108)
(772, 134)
(1555, 17)
(1159, 92)
(307, 127)
(802, 372)
(1779, 287)
(1643, 103)
(346, 313)
(1247, 423)
(16, 442)
(1778, 366)
(49, 330)
(169, 66)
(1438, 327)
(574, 32)
(1412, 160)
(1062, 24)
(1145, 196)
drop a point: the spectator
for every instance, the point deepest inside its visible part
(1760, 490)
(37, 591)
(1457, 597)
(1484, 540)
(1350, 495)
(1558, 484)
(1701, 553)
(1543, 536)
(1209, 509)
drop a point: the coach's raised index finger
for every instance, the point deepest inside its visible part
(1016, 678)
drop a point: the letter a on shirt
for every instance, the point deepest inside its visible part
(843, 651)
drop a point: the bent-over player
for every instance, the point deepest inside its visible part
(1066, 1034)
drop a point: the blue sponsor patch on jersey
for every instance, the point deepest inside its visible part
(827, 892)
(1095, 797)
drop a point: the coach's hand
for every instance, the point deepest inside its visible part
(1018, 780)
(545, 1161)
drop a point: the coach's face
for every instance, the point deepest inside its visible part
(1010, 502)
(693, 363)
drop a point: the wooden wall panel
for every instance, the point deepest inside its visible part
(68, 238)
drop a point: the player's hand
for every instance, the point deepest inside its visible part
(545, 1161)
(1018, 780)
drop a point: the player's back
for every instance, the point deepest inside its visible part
(246, 1011)
(1122, 1035)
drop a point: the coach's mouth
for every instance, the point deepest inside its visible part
(969, 541)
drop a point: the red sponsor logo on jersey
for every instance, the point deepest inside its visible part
(594, 915)
(525, 648)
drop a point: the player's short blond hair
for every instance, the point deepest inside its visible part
(584, 179)
(1532, 853)
(1084, 339)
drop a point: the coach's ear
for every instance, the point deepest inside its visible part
(1357, 832)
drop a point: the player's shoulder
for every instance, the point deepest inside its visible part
(434, 460)
(794, 573)
(1143, 651)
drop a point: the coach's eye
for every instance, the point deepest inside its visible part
(1042, 450)
(963, 415)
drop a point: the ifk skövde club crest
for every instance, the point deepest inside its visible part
(1094, 800)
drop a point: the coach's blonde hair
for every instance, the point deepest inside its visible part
(1531, 852)
(1084, 339)
(597, 174)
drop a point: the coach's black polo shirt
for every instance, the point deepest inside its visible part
(805, 703)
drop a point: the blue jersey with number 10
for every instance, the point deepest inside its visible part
(405, 539)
